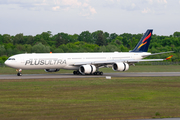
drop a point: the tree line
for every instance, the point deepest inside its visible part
(97, 41)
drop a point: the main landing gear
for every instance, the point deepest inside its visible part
(77, 72)
(96, 73)
(19, 72)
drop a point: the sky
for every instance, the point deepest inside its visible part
(32, 17)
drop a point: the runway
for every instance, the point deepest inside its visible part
(162, 119)
(121, 74)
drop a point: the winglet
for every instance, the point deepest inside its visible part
(169, 57)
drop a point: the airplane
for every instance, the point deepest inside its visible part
(84, 63)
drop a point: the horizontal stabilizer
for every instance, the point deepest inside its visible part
(157, 53)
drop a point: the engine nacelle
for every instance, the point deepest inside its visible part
(87, 69)
(120, 66)
(51, 70)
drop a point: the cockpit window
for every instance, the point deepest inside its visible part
(11, 58)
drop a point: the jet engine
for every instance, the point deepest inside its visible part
(51, 70)
(87, 69)
(120, 66)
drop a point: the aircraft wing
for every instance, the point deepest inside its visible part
(110, 62)
(94, 63)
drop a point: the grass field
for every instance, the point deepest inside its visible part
(90, 98)
(138, 68)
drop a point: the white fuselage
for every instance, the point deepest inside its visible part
(65, 60)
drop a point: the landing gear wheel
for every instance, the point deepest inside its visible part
(100, 73)
(76, 73)
(19, 74)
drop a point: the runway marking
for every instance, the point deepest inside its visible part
(121, 74)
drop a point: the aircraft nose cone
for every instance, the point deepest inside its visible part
(6, 63)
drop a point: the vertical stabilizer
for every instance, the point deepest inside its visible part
(143, 44)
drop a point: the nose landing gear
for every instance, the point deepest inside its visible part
(19, 72)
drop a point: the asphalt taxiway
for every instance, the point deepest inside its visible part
(121, 74)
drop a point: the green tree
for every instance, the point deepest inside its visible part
(1, 61)
(1, 39)
(4, 58)
(107, 37)
(29, 40)
(40, 48)
(111, 48)
(138, 36)
(102, 49)
(175, 41)
(66, 38)
(123, 48)
(20, 47)
(46, 36)
(2, 50)
(6, 38)
(39, 39)
(86, 36)
(74, 38)
(64, 48)
(166, 41)
(59, 40)
(18, 39)
(58, 50)
(101, 39)
(125, 42)
(112, 36)
(9, 45)
(16, 51)
(176, 34)
(134, 42)
(117, 41)
(73, 47)
(28, 48)
(127, 38)
(9, 51)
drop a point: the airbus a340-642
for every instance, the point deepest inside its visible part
(84, 63)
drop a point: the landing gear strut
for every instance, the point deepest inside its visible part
(19, 72)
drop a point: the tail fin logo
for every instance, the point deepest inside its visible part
(145, 40)
(169, 57)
